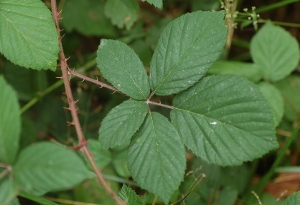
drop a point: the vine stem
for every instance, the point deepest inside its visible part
(101, 84)
(97, 82)
(73, 109)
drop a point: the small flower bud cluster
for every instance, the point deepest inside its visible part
(230, 16)
(252, 16)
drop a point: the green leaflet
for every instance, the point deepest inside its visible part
(225, 120)
(156, 157)
(120, 65)
(122, 12)
(8, 191)
(128, 195)
(275, 100)
(122, 122)
(120, 164)
(275, 51)
(248, 70)
(156, 3)
(87, 17)
(28, 36)
(10, 123)
(185, 51)
(45, 167)
(292, 199)
(289, 89)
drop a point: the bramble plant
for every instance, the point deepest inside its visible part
(217, 114)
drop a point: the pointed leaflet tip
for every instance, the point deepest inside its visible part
(153, 160)
(187, 48)
(121, 66)
(121, 123)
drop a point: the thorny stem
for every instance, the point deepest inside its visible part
(73, 110)
(97, 82)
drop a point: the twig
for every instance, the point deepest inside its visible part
(154, 201)
(195, 184)
(3, 173)
(73, 110)
(283, 133)
(97, 82)
(231, 6)
(150, 96)
(256, 196)
(160, 104)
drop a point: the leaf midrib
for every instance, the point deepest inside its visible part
(204, 117)
(179, 60)
(124, 66)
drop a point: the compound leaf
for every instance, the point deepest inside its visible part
(45, 167)
(122, 122)
(10, 123)
(156, 157)
(120, 65)
(128, 195)
(87, 17)
(225, 120)
(187, 48)
(275, 100)
(122, 12)
(156, 3)
(275, 51)
(28, 36)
